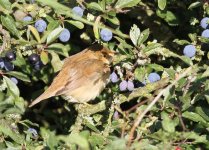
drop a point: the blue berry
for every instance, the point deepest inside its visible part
(14, 80)
(114, 77)
(27, 18)
(153, 77)
(38, 65)
(10, 55)
(78, 11)
(189, 51)
(204, 23)
(8, 66)
(123, 85)
(33, 132)
(130, 85)
(106, 35)
(1, 63)
(64, 35)
(205, 33)
(40, 25)
(33, 58)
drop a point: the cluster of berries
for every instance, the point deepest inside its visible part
(6, 62)
(130, 85)
(190, 50)
(41, 25)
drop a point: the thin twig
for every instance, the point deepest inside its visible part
(180, 119)
(141, 116)
(136, 106)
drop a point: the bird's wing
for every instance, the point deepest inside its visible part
(90, 71)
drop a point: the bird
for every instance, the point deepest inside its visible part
(82, 77)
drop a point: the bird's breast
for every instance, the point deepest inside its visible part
(86, 92)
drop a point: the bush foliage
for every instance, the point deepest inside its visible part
(149, 36)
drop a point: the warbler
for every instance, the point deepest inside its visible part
(82, 77)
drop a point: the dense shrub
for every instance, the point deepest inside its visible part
(158, 96)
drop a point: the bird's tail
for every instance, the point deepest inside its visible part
(42, 97)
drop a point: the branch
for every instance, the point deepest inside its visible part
(141, 115)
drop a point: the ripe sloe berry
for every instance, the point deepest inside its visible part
(40, 25)
(64, 35)
(153, 77)
(204, 23)
(189, 51)
(114, 77)
(8, 66)
(33, 58)
(205, 33)
(130, 85)
(123, 85)
(10, 55)
(106, 35)
(27, 18)
(78, 11)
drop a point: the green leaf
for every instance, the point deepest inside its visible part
(143, 37)
(181, 42)
(92, 127)
(113, 20)
(126, 3)
(49, 138)
(5, 4)
(19, 75)
(77, 24)
(19, 61)
(95, 6)
(194, 5)
(35, 33)
(53, 24)
(56, 62)
(134, 34)
(77, 139)
(96, 28)
(139, 73)
(168, 123)
(171, 19)
(162, 4)
(186, 59)
(152, 47)
(6, 130)
(156, 67)
(116, 144)
(60, 49)
(194, 136)
(203, 112)
(44, 57)
(193, 116)
(54, 35)
(170, 72)
(9, 23)
(96, 140)
(11, 86)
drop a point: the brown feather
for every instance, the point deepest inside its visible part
(82, 77)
